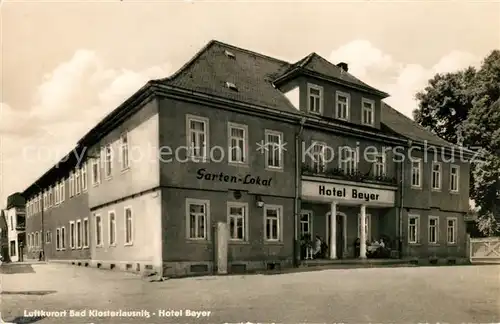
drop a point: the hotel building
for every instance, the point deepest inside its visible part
(269, 148)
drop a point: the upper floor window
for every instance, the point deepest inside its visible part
(61, 191)
(108, 161)
(379, 165)
(51, 196)
(454, 176)
(368, 113)
(274, 149)
(124, 150)
(197, 136)
(238, 137)
(71, 184)
(56, 194)
(315, 98)
(96, 172)
(343, 105)
(416, 170)
(348, 160)
(83, 173)
(318, 157)
(436, 175)
(78, 183)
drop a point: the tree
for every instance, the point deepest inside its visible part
(445, 103)
(464, 108)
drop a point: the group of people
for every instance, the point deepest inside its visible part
(375, 249)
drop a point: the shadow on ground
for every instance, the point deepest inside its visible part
(33, 292)
(12, 268)
(26, 320)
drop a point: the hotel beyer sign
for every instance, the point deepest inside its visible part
(247, 179)
(340, 192)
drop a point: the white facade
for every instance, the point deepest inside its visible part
(12, 233)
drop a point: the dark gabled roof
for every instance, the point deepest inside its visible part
(400, 124)
(15, 200)
(318, 65)
(251, 73)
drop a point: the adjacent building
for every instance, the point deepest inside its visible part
(15, 216)
(270, 148)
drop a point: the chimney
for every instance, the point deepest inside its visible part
(343, 66)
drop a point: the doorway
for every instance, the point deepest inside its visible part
(341, 239)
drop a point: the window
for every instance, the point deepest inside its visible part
(416, 170)
(237, 221)
(367, 226)
(318, 157)
(98, 230)
(436, 176)
(451, 231)
(197, 137)
(379, 165)
(72, 234)
(368, 112)
(315, 95)
(413, 228)
(86, 233)
(238, 138)
(129, 226)
(61, 190)
(11, 223)
(56, 194)
(108, 161)
(272, 223)
(306, 223)
(71, 184)
(84, 176)
(37, 242)
(433, 229)
(274, 149)
(348, 160)
(79, 234)
(48, 237)
(343, 103)
(197, 213)
(96, 174)
(78, 183)
(51, 197)
(58, 238)
(124, 149)
(112, 228)
(63, 238)
(454, 174)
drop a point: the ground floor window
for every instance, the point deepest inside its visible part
(98, 230)
(37, 242)
(413, 228)
(72, 234)
(451, 230)
(272, 222)
(58, 238)
(129, 226)
(433, 229)
(197, 215)
(63, 238)
(48, 237)
(236, 218)
(86, 233)
(13, 248)
(305, 223)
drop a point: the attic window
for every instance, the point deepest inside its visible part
(229, 54)
(231, 86)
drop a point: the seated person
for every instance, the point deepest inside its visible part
(317, 247)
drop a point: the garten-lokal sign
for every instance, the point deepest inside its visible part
(202, 174)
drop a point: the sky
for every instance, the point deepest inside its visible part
(65, 65)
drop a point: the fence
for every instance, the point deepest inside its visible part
(485, 249)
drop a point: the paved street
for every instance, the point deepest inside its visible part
(398, 295)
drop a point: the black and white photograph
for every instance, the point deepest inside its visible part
(230, 162)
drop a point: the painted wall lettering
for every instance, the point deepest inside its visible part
(202, 174)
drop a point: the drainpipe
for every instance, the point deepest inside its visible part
(401, 203)
(298, 173)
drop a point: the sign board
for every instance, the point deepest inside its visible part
(347, 194)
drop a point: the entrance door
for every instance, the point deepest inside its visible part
(340, 236)
(340, 233)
